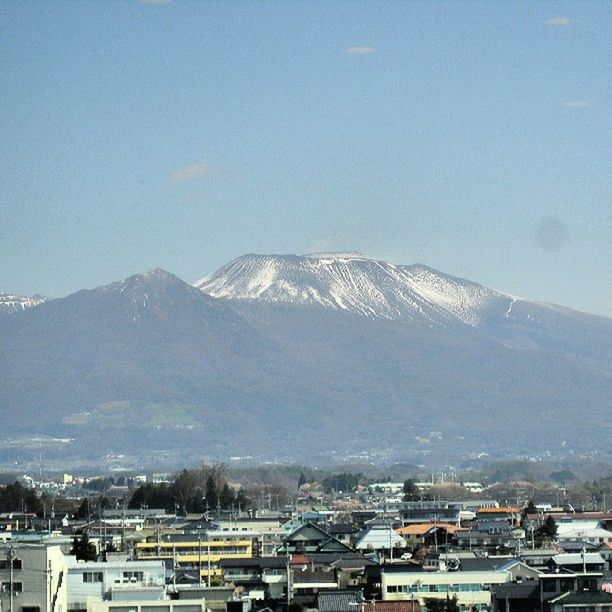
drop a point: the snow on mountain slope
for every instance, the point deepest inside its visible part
(355, 283)
(10, 302)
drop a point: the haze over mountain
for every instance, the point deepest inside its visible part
(325, 352)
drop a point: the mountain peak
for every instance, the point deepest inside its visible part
(351, 282)
(340, 255)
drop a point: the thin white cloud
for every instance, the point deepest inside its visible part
(559, 21)
(577, 104)
(201, 168)
(360, 50)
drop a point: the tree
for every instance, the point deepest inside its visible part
(451, 604)
(15, 498)
(443, 605)
(411, 491)
(301, 480)
(212, 495)
(548, 529)
(83, 549)
(562, 477)
(341, 482)
(84, 509)
(226, 497)
(530, 508)
(242, 501)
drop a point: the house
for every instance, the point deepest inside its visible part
(563, 581)
(381, 540)
(538, 557)
(338, 601)
(516, 597)
(428, 534)
(578, 562)
(259, 577)
(429, 512)
(504, 513)
(309, 538)
(345, 532)
(350, 601)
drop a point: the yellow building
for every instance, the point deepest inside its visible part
(190, 553)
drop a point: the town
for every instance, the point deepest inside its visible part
(197, 540)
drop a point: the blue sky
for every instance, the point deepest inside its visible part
(472, 137)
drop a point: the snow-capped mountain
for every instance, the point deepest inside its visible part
(355, 283)
(357, 352)
(10, 302)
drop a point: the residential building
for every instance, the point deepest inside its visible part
(472, 588)
(33, 578)
(114, 580)
(196, 553)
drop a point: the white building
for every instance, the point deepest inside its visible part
(168, 605)
(114, 580)
(582, 531)
(472, 588)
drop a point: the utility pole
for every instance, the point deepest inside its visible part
(288, 580)
(200, 559)
(48, 575)
(174, 569)
(208, 556)
(10, 557)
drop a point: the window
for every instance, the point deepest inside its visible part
(133, 576)
(392, 589)
(5, 564)
(93, 577)
(550, 586)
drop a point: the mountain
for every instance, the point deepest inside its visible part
(293, 356)
(133, 359)
(353, 283)
(415, 294)
(10, 302)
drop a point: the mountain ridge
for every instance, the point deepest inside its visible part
(154, 366)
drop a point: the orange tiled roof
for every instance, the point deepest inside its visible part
(423, 528)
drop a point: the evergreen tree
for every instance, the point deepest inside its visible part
(411, 491)
(530, 508)
(15, 498)
(212, 496)
(226, 497)
(548, 529)
(83, 549)
(83, 511)
(301, 480)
